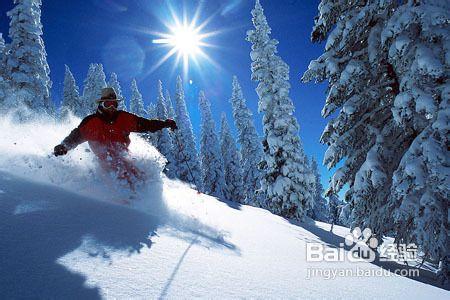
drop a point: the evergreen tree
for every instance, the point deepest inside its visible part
(310, 203)
(251, 149)
(334, 209)
(419, 52)
(2, 46)
(4, 83)
(319, 207)
(345, 215)
(88, 88)
(152, 138)
(136, 102)
(164, 140)
(151, 111)
(3, 52)
(188, 165)
(211, 158)
(170, 109)
(286, 177)
(354, 132)
(114, 83)
(26, 63)
(232, 163)
(388, 83)
(71, 102)
(171, 114)
(92, 90)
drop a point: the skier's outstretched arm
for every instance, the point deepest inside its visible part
(72, 140)
(153, 125)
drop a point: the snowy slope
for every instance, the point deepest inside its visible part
(57, 242)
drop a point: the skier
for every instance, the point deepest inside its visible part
(107, 132)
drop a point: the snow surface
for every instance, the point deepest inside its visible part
(58, 242)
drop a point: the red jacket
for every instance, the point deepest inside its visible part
(110, 135)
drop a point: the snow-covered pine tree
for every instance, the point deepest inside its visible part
(251, 149)
(169, 105)
(419, 51)
(171, 114)
(136, 102)
(211, 159)
(164, 140)
(4, 84)
(26, 63)
(2, 45)
(151, 114)
(232, 163)
(3, 51)
(114, 83)
(364, 85)
(387, 64)
(319, 210)
(309, 205)
(188, 164)
(345, 215)
(151, 110)
(334, 209)
(92, 89)
(88, 88)
(286, 177)
(71, 103)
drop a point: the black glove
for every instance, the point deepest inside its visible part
(171, 124)
(60, 150)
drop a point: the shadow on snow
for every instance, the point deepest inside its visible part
(40, 224)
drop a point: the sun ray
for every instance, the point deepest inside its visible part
(212, 46)
(196, 62)
(185, 64)
(174, 16)
(207, 21)
(209, 59)
(161, 61)
(193, 23)
(209, 34)
(161, 41)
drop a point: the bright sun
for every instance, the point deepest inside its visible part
(184, 39)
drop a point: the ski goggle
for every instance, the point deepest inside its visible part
(108, 104)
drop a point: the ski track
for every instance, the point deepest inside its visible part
(62, 237)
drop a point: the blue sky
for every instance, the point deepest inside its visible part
(118, 33)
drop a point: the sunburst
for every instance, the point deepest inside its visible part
(186, 40)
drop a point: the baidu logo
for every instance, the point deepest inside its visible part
(362, 243)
